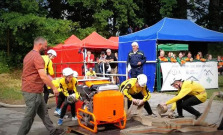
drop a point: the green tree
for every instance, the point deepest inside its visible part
(180, 10)
(106, 16)
(20, 27)
(167, 6)
(149, 11)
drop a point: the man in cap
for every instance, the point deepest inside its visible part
(101, 61)
(190, 93)
(136, 59)
(51, 54)
(110, 58)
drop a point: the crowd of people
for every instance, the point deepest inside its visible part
(184, 57)
(104, 64)
(136, 28)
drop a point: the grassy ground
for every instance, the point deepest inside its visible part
(10, 88)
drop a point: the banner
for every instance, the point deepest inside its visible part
(206, 73)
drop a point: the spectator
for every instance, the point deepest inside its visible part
(129, 31)
(97, 70)
(170, 57)
(116, 56)
(91, 73)
(136, 28)
(199, 57)
(90, 58)
(220, 65)
(184, 54)
(162, 56)
(189, 57)
(136, 59)
(110, 58)
(209, 57)
(180, 59)
(33, 78)
(102, 61)
(51, 54)
(144, 26)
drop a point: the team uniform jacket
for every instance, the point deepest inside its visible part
(64, 87)
(129, 88)
(133, 59)
(189, 88)
(48, 65)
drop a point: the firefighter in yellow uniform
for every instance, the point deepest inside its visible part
(135, 90)
(68, 93)
(61, 96)
(91, 73)
(51, 54)
(190, 93)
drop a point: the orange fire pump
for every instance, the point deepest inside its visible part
(103, 104)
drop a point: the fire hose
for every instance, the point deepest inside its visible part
(167, 125)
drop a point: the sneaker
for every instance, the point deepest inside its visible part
(180, 116)
(153, 115)
(65, 116)
(196, 117)
(60, 122)
(59, 132)
(74, 118)
(57, 111)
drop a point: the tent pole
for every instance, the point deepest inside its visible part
(85, 69)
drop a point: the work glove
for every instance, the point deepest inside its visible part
(71, 98)
(135, 101)
(140, 102)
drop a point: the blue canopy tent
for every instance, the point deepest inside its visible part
(165, 29)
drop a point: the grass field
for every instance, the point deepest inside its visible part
(10, 88)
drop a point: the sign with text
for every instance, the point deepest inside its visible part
(206, 73)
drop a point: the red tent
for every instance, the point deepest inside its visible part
(114, 40)
(66, 53)
(94, 40)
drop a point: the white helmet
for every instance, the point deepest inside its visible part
(51, 51)
(75, 74)
(176, 78)
(67, 71)
(135, 43)
(142, 80)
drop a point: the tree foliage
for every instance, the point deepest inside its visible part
(22, 20)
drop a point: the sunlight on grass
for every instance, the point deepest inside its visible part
(10, 88)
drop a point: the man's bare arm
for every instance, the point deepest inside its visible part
(47, 80)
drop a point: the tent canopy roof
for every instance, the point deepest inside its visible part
(174, 29)
(72, 39)
(70, 43)
(94, 40)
